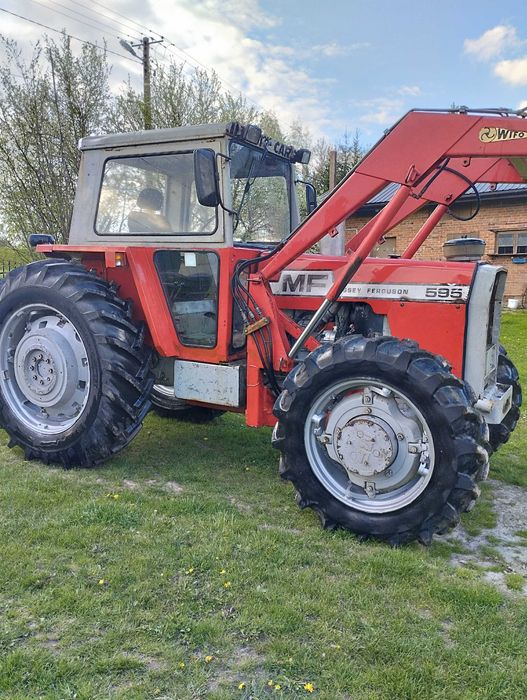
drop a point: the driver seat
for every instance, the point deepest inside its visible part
(146, 216)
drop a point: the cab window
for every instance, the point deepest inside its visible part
(190, 282)
(143, 195)
(260, 186)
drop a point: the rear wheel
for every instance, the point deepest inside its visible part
(165, 404)
(74, 374)
(380, 438)
(508, 376)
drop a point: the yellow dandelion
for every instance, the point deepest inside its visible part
(208, 659)
(102, 582)
(309, 687)
(115, 496)
(223, 571)
(241, 686)
(278, 686)
(270, 683)
(190, 570)
(227, 584)
(181, 664)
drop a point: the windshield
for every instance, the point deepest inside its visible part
(260, 186)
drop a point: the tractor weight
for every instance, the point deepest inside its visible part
(508, 376)
(75, 377)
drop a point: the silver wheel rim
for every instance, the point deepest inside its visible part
(164, 390)
(369, 445)
(44, 369)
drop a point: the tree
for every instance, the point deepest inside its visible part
(46, 106)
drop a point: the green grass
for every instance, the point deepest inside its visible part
(183, 569)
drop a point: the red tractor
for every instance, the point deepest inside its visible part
(187, 284)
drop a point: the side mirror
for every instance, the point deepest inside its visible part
(40, 239)
(206, 177)
(311, 197)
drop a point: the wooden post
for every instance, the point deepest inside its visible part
(333, 245)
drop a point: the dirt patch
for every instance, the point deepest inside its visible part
(510, 505)
(242, 659)
(242, 507)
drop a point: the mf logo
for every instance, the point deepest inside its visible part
(314, 283)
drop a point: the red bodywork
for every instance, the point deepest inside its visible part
(433, 157)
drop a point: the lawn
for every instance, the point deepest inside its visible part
(183, 569)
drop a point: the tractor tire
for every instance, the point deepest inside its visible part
(380, 438)
(165, 404)
(508, 375)
(75, 376)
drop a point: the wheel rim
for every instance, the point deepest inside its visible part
(163, 390)
(369, 445)
(44, 369)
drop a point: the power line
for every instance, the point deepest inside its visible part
(128, 21)
(172, 48)
(71, 36)
(76, 12)
(122, 22)
(194, 61)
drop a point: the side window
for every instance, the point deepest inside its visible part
(152, 195)
(190, 282)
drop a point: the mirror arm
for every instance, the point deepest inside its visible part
(229, 211)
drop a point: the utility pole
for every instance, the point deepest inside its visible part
(333, 245)
(144, 45)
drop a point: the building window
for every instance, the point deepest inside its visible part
(385, 248)
(511, 242)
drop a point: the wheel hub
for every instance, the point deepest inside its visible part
(45, 369)
(369, 445)
(365, 446)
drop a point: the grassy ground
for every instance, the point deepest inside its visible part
(183, 569)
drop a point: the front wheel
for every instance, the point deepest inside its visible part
(380, 438)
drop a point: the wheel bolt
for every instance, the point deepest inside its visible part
(41, 356)
(400, 436)
(42, 381)
(48, 361)
(49, 379)
(34, 376)
(31, 368)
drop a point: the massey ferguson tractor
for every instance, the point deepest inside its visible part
(189, 283)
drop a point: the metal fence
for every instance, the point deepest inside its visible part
(6, 266)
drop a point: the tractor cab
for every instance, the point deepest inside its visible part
(207, 185)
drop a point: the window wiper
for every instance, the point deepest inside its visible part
(248, 184)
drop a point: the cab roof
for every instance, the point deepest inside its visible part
(136, 138)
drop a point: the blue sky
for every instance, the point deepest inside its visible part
(334, 66)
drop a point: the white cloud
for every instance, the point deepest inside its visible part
(264, 72)
(382, 110)
(513, 71)
(214, 33)
(492, 43)
(333, 49)
(411, 90)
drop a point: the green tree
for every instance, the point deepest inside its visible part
(46, 105)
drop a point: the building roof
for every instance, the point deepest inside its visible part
(485, 189)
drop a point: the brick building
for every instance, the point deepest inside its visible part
(501, 223)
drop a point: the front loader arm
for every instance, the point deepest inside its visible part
(410, 155)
